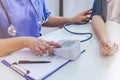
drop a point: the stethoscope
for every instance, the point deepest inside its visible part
(12, 31)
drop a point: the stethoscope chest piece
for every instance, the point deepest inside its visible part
(12, 30)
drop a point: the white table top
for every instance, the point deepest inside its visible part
(91, 65)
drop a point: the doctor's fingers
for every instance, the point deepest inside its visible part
(47, 48)
(48, 44)
(51, 43)
(40, 49)
(84, 18)
(87, 12)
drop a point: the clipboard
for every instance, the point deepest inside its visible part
(34, 71)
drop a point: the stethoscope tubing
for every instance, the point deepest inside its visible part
(78, 33)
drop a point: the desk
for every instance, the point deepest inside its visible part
(90, 66)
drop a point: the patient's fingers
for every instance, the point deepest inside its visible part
(114, 49)
(104, 50)
(108, 48)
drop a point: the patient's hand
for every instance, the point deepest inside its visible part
(108, 48)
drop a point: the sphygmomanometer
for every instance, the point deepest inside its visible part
(100, 9)
(71, 48)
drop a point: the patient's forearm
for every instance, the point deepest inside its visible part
(12, 44)
(99, 28)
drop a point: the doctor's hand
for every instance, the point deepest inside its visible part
(40, 46)
(81, 17)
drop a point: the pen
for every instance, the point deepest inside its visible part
(32, 62)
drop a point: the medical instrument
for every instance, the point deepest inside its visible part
(77, 33)
(97, 9)
(70, 49)
(11, 29)
(72, 52)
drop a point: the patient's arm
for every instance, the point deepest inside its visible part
(99, 27)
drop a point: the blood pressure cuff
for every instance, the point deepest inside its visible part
(100, 8)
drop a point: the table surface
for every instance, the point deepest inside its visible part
(91, 65)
